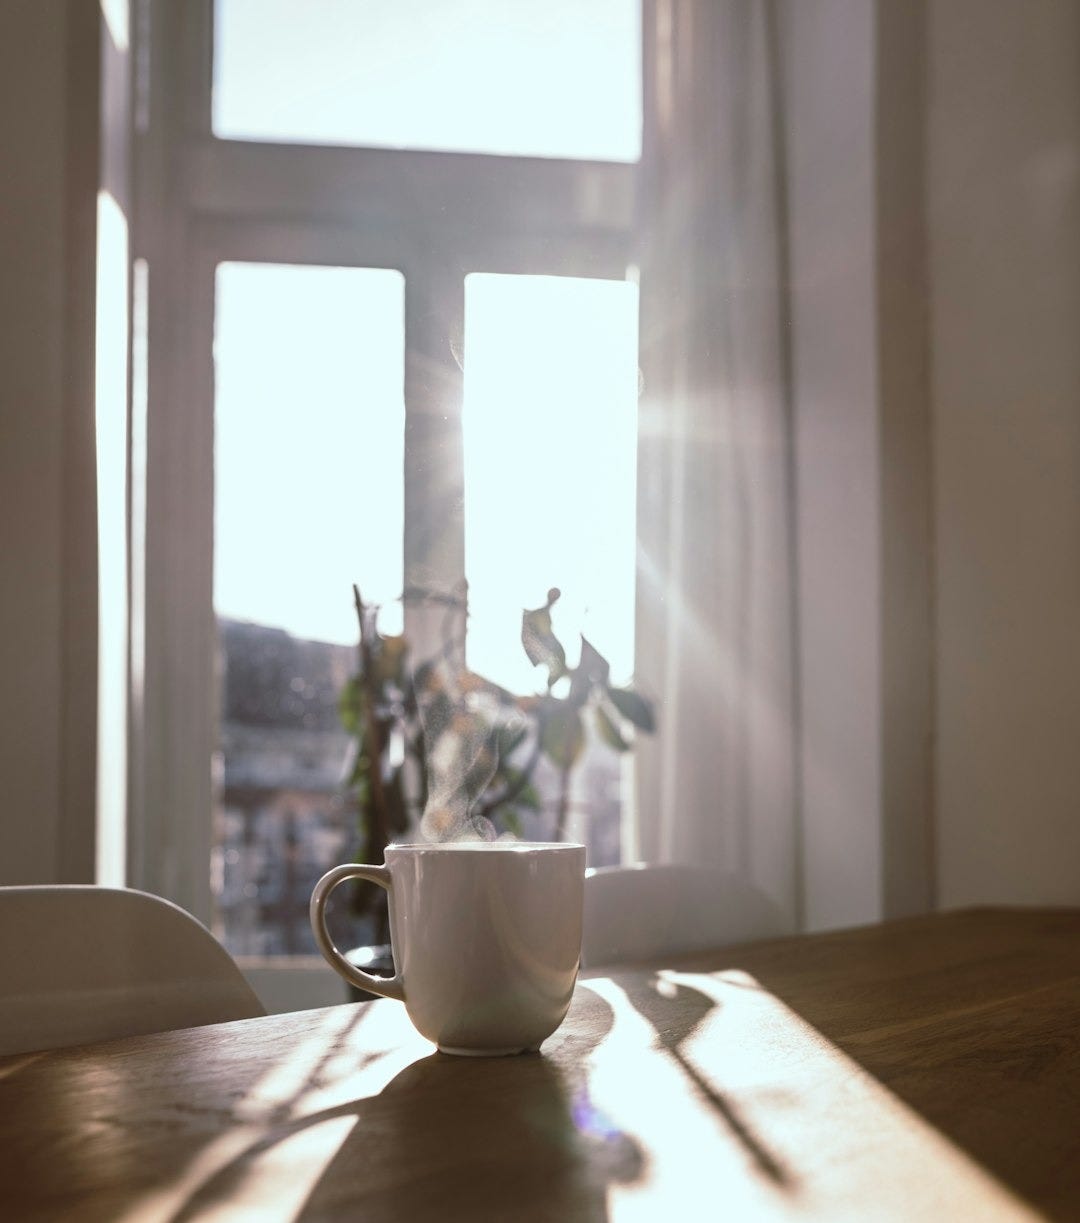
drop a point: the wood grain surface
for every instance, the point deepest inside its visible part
(924, 1069)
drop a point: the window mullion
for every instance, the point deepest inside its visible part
(434, 538)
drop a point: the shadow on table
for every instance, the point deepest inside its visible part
(492, 1138)
(676, 1011)
(524, 1149)
(462, 1137)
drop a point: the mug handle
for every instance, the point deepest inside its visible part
(387, 987)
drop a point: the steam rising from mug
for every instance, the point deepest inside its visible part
(461, 757)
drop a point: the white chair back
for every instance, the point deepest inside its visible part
(640, 914)
(81, 964)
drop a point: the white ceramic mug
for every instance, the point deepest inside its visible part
(486, 939)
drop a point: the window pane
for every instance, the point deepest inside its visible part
(111, 425)
(550, 437)
(309, 427)
(544, 78)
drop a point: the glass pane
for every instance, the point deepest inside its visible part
(550, 437)
(111, 426)
(543, 78)
(309, 429)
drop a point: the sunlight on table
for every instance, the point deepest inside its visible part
(788, 1126)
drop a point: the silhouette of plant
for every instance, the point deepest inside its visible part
(441, 752)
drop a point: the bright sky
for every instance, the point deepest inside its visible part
(555, 78)
(309, 421)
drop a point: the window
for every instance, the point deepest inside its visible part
(341, 234)
(308, 441)
(538, 78)
(110, 398)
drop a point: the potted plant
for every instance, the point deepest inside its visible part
(441, 752)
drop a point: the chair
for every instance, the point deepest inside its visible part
(637, 914)
(81, 964)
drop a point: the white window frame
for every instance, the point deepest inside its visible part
(200, 201)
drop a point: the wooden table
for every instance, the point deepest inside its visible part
(924, 1069)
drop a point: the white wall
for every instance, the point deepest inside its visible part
(1004, 223)
(47, 610)
(830, 134)
(936, 332)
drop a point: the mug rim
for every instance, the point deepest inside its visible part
(442, 847)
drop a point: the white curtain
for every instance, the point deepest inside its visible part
(716, 639)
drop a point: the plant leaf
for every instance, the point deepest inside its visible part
(633, 707)
(358, 781)
(510, 739)
(351, 705)
(563, 738)
(609, 732)
(593, 663)
(528, 796)
(390, 660)
(592, 671)
(425, 676)
(542, 647)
